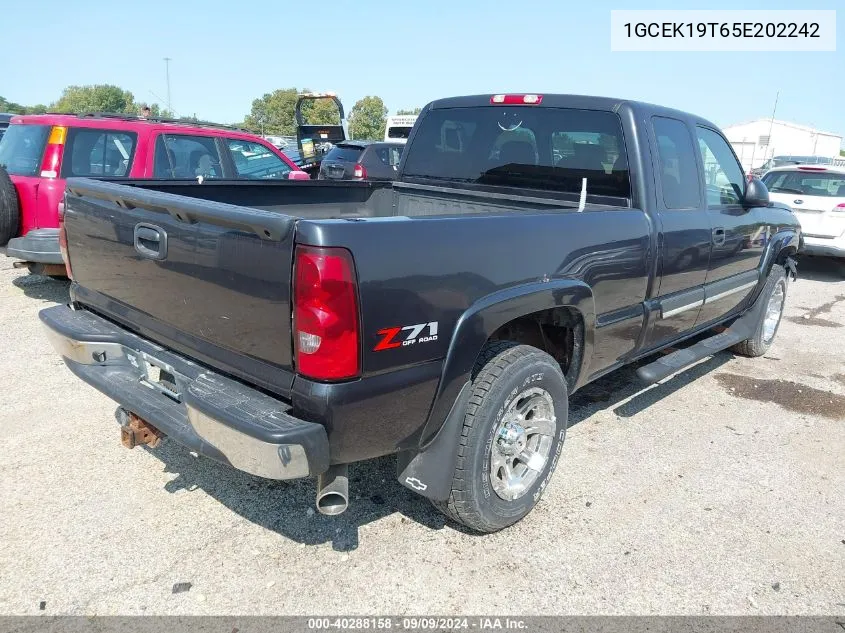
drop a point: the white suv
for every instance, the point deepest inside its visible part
(816, 194)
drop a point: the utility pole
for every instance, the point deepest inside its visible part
(167, 61)
(772, 122)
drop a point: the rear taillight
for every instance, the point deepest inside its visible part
(839, 208)
(517, 99)
(325, 314)
(52, 162)
(359, 171)
(63, 240)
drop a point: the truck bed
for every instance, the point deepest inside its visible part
(220, 291)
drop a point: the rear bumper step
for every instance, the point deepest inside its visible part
(39, 245)
(209, 413)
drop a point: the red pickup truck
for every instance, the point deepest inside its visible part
(38, 152)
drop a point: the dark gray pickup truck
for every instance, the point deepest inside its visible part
(531, 244)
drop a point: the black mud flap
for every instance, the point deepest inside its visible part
(428, 471)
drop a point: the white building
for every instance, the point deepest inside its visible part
(756, 141)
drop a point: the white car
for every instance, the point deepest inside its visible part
(816, 194)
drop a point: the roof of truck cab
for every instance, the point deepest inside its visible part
(580, 102)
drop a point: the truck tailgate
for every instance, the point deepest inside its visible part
(208, 279)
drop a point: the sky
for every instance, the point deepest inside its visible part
(225, 54)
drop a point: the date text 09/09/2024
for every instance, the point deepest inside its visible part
(722, 29)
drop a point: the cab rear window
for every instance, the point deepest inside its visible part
(22, 148)
(556, 149)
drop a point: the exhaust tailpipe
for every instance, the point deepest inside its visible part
(333, 490)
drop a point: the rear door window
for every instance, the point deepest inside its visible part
(184, 156)
(389, 156)
(254, 161)
(102, 153)
(555, 149)
(678, 174)
(22, 149)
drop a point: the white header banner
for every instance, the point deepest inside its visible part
(722, 30)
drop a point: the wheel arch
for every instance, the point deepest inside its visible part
(437, 443)
(785, 243)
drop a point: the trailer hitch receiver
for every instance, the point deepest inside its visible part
(137, 432)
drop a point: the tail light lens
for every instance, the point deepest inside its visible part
(839, 208)
(52, 162)
(325, 314)
(360, 171)
(63, 240)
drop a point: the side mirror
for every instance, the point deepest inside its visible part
(756, 194)
(298, 175)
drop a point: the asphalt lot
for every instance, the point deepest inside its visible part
(719, 492)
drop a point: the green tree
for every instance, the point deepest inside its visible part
(367, 118)
(11, 107)
(412, 111)
(273, 113)
(16, 108)
(320, 112)
(99, 98)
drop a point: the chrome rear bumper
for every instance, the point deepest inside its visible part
(210, 413)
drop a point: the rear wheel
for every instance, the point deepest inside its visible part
(774, 294)
(513, 433)
(9, 213)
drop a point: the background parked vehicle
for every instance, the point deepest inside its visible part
(781, 161)
(450, 321)
(314, 141)
(40, 151)
(398, 128)
(4, 122)
(362, 160)
(816, 194)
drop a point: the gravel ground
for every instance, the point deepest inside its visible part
(719, 492)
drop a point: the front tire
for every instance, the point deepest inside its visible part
(774, 295)
(513, 434)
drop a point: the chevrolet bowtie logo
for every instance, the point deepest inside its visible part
(415, 483)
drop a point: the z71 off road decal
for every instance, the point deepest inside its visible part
(392, 337)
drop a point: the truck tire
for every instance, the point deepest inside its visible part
(774, 295)
(512, 386)
(9, 213)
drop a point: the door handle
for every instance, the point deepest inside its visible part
(719, 236)
(150, 241)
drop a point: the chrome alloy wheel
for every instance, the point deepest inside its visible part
(774, 310)
(522, 443)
